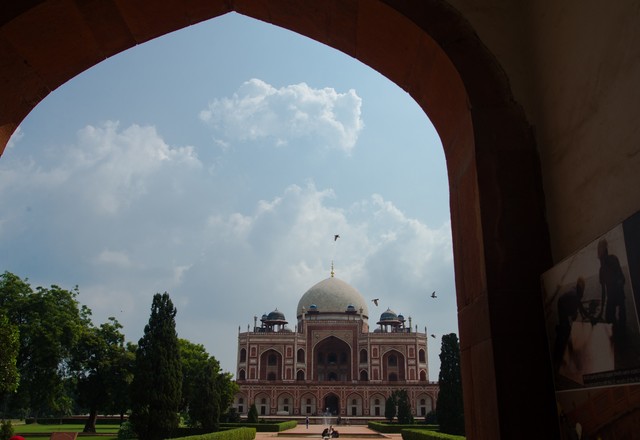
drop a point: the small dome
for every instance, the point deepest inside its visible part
(401, 318)
(264, 317)
(389, 315)
(389, 318)
(276, 315)
(351, 308)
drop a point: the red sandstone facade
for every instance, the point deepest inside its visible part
(331, 362)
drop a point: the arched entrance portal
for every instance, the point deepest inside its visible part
(332, 404)
(333, 360)
(427, 48)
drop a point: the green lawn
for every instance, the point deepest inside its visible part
(36, 428)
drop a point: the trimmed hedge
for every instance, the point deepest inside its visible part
(425, 434)
(230, 434)
(72, 420)
(264, 427)
(396, 428)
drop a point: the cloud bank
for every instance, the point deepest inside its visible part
(282, 116)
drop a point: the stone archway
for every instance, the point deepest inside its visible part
(428, 49)
(331, 404)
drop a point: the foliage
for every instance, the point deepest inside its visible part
(157, 383)
(10, 343)
(252, 416)
(449, 407)
(423, 434)
(205, 405)
(63, 425)
(392, 428)
(193, 358)
(390, 405)
(6, 430)
(232, 416)
(232, 434)
(49, 322)
(431, 417)
(265, 426)
(126, 431)
(207, 393)
(404, 407)
(398, 405)
(226, 389)
(103, 369)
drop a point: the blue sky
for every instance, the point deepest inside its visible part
(216, 163)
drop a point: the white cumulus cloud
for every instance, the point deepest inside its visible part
(322, 118)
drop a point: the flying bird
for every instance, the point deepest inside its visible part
(433, 336)
(335, 237)
(375, 301)
(433, 295)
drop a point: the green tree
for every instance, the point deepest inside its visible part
(103, 369)
(205, 403)
(194, 358)
(157, 383)
(6, 429)
(206, 391)
(49, 321)
(10, 343)
(226, 389)
(449, 407)
(390, 406)
(404, 407)
(120, 401)
(252, 416)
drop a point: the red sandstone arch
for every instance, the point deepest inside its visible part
(428, 49)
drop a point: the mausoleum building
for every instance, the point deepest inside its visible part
(332, 361)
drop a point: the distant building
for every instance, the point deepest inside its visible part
(331, 362)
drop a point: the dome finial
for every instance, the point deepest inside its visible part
(332, 272)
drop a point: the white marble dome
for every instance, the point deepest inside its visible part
(334, 296)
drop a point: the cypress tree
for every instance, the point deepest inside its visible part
(252, 417)
(449, 407)
(156, 387)
(404, 408)
(390, 407)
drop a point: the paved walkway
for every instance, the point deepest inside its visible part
(301, 432)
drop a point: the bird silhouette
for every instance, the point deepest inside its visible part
(335, 237)
(375, 301)
(433, 295)
(433, 336)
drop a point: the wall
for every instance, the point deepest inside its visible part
(574, 67)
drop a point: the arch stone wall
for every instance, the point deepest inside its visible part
(500, 237)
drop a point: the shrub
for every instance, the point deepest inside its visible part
(6, 430)
(423, 434)
(231, 434)
(232, 416)
(431, 418)
(252, 417)
(265, 427)
(126, 431)
(389, 428)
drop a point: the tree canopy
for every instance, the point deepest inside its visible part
(156, 389)
(49, 322)
(449, 407)
(54, 360)
(103, 368)
(10, 343)
(404, 407)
